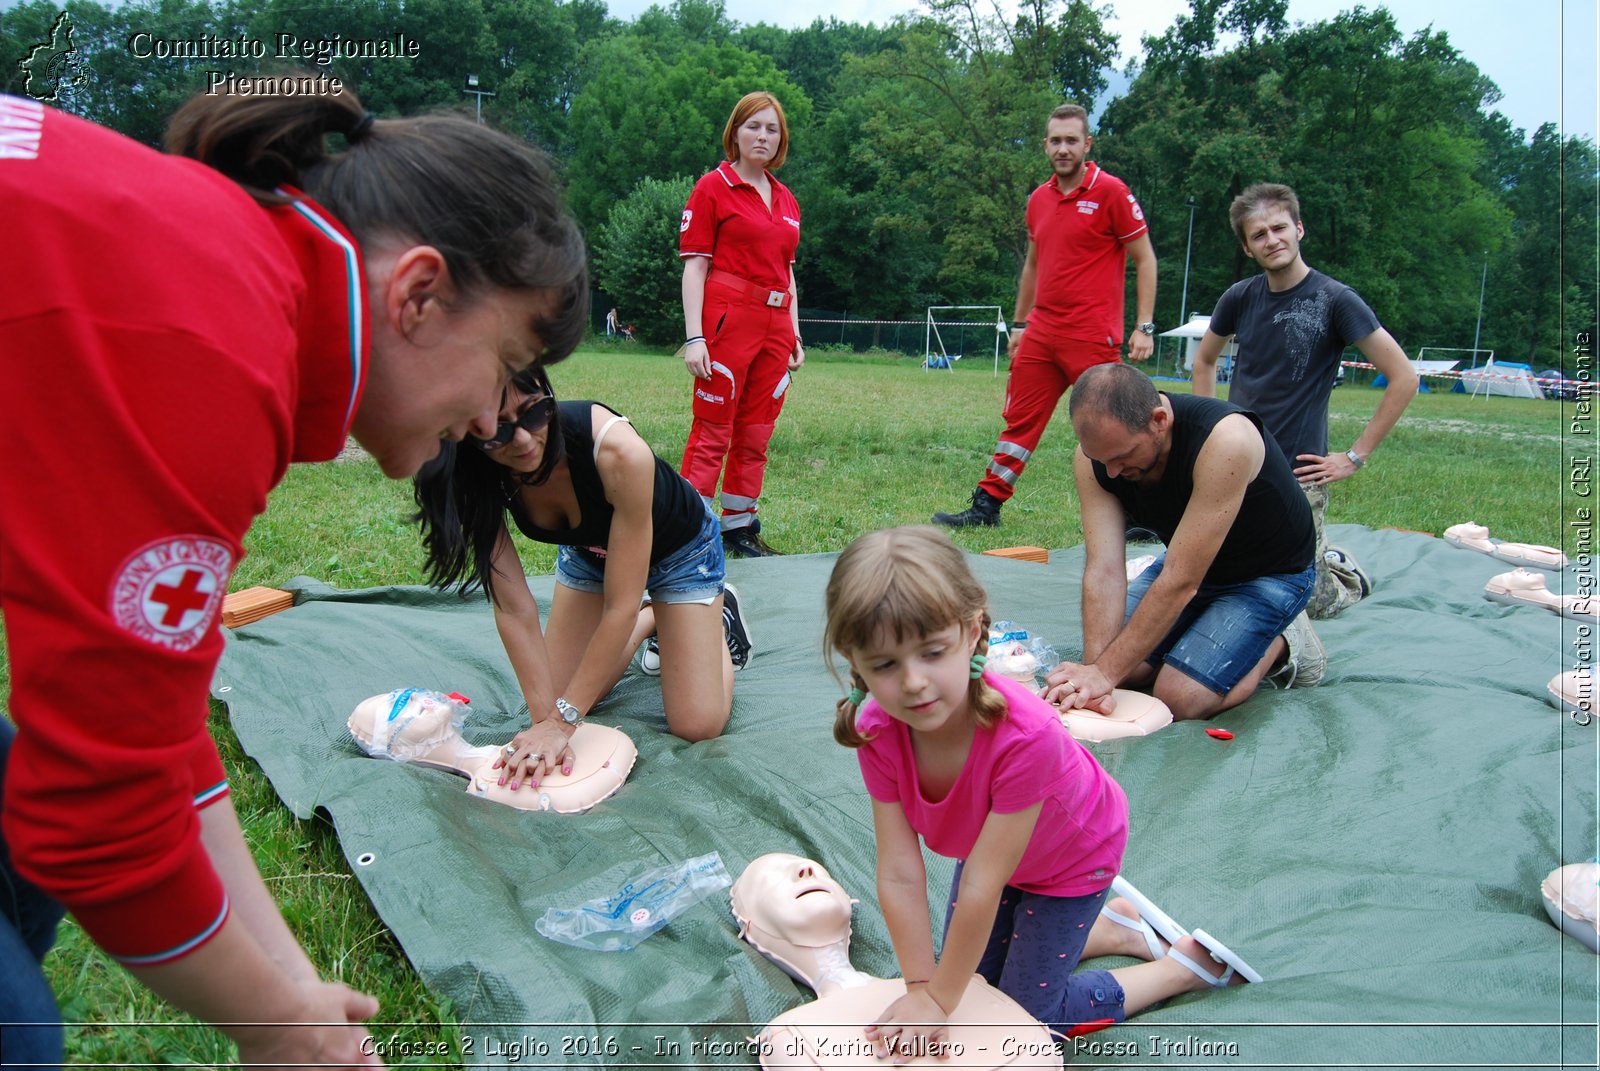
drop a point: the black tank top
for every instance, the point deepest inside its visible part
(676, 507)
(1272, 532)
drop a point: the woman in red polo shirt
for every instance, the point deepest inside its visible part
(737, 241)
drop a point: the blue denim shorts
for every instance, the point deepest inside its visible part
(692, 573)
(1226, 628)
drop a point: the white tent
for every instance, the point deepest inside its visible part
(1501, 377)
(1191, 333)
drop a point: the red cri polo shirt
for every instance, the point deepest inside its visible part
(167, 348)
(727, 220)
(1081, 239)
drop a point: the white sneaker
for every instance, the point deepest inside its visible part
(650, 660)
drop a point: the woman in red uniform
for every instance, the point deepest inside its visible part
(173, 333)
(737, 241)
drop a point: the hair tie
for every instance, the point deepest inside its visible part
(362, 128)
(978, 662)
(857, 697)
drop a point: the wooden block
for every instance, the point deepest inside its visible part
(252, 604)
(1027, 554)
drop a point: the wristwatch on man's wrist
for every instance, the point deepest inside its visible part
(569, 713)
(1148, 328)
(1355, 459)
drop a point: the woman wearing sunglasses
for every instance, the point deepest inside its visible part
(576, 475)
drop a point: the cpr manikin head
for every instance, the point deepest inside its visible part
(410, 725)
(423, 728)
(1572, 900)
(793, 898)
(792, 910)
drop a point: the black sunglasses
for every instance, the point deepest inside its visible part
(533, 418)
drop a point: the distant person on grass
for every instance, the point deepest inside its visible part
(576, 475)
(737, 241)
(1083, 226)
(1292, 323)
(175, 332)
(1221, 608)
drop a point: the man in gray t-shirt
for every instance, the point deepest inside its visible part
(1292, 324)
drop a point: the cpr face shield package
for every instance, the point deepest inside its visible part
(618, 922)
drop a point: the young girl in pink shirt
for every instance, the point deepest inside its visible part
(984, 772)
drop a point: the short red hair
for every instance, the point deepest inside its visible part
(748, 105)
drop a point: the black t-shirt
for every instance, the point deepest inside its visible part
(676, 507)
(1272, 532)
(1289, 348)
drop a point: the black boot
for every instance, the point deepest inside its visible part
(985, 510)
(746, 542)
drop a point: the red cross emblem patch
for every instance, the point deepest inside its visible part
(168, 591)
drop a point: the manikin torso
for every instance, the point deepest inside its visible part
(795, 914)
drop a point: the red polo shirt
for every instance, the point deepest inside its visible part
(727, 220)
(1081, 237)
(167, 347)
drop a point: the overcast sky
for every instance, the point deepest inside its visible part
(1523, 46)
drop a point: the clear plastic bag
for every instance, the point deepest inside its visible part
(1015, 654)
(408, 724)
(644, 905)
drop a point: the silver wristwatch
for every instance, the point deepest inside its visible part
(1355, 459)
(1148, 328)
(569, 713)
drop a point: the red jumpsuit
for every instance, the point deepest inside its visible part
(749, 334)
(167, 347)
(1080, 239)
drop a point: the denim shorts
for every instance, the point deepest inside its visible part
(1226, 628)
(692, 573)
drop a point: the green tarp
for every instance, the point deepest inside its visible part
(1373, 846)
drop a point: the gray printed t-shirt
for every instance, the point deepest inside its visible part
(1289, 347)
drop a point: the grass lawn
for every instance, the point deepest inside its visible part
(863, 443)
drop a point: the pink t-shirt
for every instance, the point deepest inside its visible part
(1027, 757)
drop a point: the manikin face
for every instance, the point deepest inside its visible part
(1067, 144)
(1272, 238)
(922, 680)
(1128, 455)
(794, 899)
(758, 138)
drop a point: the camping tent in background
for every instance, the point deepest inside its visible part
(1500, 377)
(1191, 333)
(1424, 369)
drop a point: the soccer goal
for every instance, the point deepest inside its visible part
(946, 339)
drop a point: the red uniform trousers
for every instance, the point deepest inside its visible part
(1041, 373)
(736, 409)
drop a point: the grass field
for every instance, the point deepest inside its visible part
(863, 443)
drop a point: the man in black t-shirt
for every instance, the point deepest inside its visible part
(1292, 324)
(1222, 608)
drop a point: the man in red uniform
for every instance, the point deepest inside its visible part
(1083, 225)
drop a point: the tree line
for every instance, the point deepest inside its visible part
(915, 144)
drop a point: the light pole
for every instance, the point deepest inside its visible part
(476, 91)
(1478, 331)
(1183, 306)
